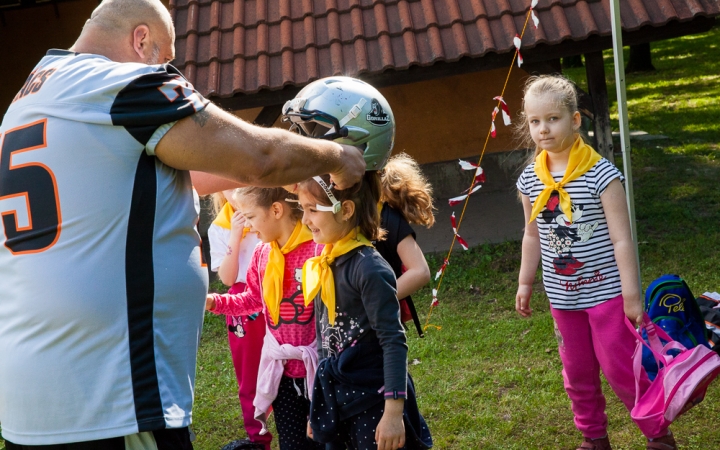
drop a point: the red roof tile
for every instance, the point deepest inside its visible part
(228, 47)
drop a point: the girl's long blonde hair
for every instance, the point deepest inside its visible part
(218, 201)
(405, 188)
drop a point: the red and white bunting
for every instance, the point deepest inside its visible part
(457, 200)
(535, 20)
(442, 269)
(460, 240)
(435, 301)
(479, 172)
(466, 165)
(493, 130)
(505, 110)
(518, 43)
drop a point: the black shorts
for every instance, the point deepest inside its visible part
(167, 439)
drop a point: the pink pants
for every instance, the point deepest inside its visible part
(590, 340)
(245, 353)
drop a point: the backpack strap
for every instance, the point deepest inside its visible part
(413, 312)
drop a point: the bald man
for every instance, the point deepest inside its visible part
(102, 286)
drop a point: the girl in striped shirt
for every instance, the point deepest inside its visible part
(578, 227)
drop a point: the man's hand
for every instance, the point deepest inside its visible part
(352, 169)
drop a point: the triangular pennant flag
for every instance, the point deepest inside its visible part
(533, 3)
(535, 20)
(435, 301)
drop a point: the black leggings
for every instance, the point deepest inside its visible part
(291, 411)
(358, 432)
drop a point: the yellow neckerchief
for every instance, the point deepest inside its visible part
(272, 282)
(582, 158)
(224, 218)
(316, 273)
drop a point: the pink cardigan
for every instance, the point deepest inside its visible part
(297, 321)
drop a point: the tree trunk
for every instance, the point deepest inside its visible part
(640, 59)
(570, 62)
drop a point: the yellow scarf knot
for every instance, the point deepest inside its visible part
(582, 158)
(317, 275)
(273, 279)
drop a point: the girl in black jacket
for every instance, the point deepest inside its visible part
(363, 397)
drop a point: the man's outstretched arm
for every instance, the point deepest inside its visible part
(221, 144)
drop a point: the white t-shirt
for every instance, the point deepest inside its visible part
(100, 266)
(578, 259)
(219, 239)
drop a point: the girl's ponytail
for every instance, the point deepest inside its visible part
(405, 188)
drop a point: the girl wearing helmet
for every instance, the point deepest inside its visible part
(363, 397)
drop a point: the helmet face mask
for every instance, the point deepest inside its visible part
(347, 111)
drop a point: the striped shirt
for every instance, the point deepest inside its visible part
(578, 259)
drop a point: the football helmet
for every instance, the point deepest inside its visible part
(348, 111)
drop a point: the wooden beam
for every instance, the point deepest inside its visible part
(542, 53)
(268, 115)
(595, 70)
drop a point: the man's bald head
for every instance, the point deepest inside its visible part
(129, 31)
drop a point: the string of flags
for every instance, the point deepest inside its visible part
(479, 177)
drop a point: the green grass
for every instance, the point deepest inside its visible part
(491, 380)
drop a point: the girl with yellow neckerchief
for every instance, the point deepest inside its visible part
(289, 354)
(578, 226)
(363, 397)
(231, 247)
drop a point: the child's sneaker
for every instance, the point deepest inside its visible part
(602, 443)
(243, 444)
(666, 442)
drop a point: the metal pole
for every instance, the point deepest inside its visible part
(623, 119)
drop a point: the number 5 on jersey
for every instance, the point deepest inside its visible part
(29, 202)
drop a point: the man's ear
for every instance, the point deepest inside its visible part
(347, 210)
(141, 41)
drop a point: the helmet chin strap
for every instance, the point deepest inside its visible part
(336, 205)
(353, 113)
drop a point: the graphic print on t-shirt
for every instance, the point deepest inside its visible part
(343, 333)
(564, 232)
(293, 309)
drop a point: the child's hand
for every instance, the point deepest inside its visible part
(309, 430)
(209, 302)
(390, 432)
(522, 300)
(237, 224)
(633, 306)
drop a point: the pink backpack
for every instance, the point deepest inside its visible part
(680, 384)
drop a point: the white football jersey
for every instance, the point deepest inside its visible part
(102, 289)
